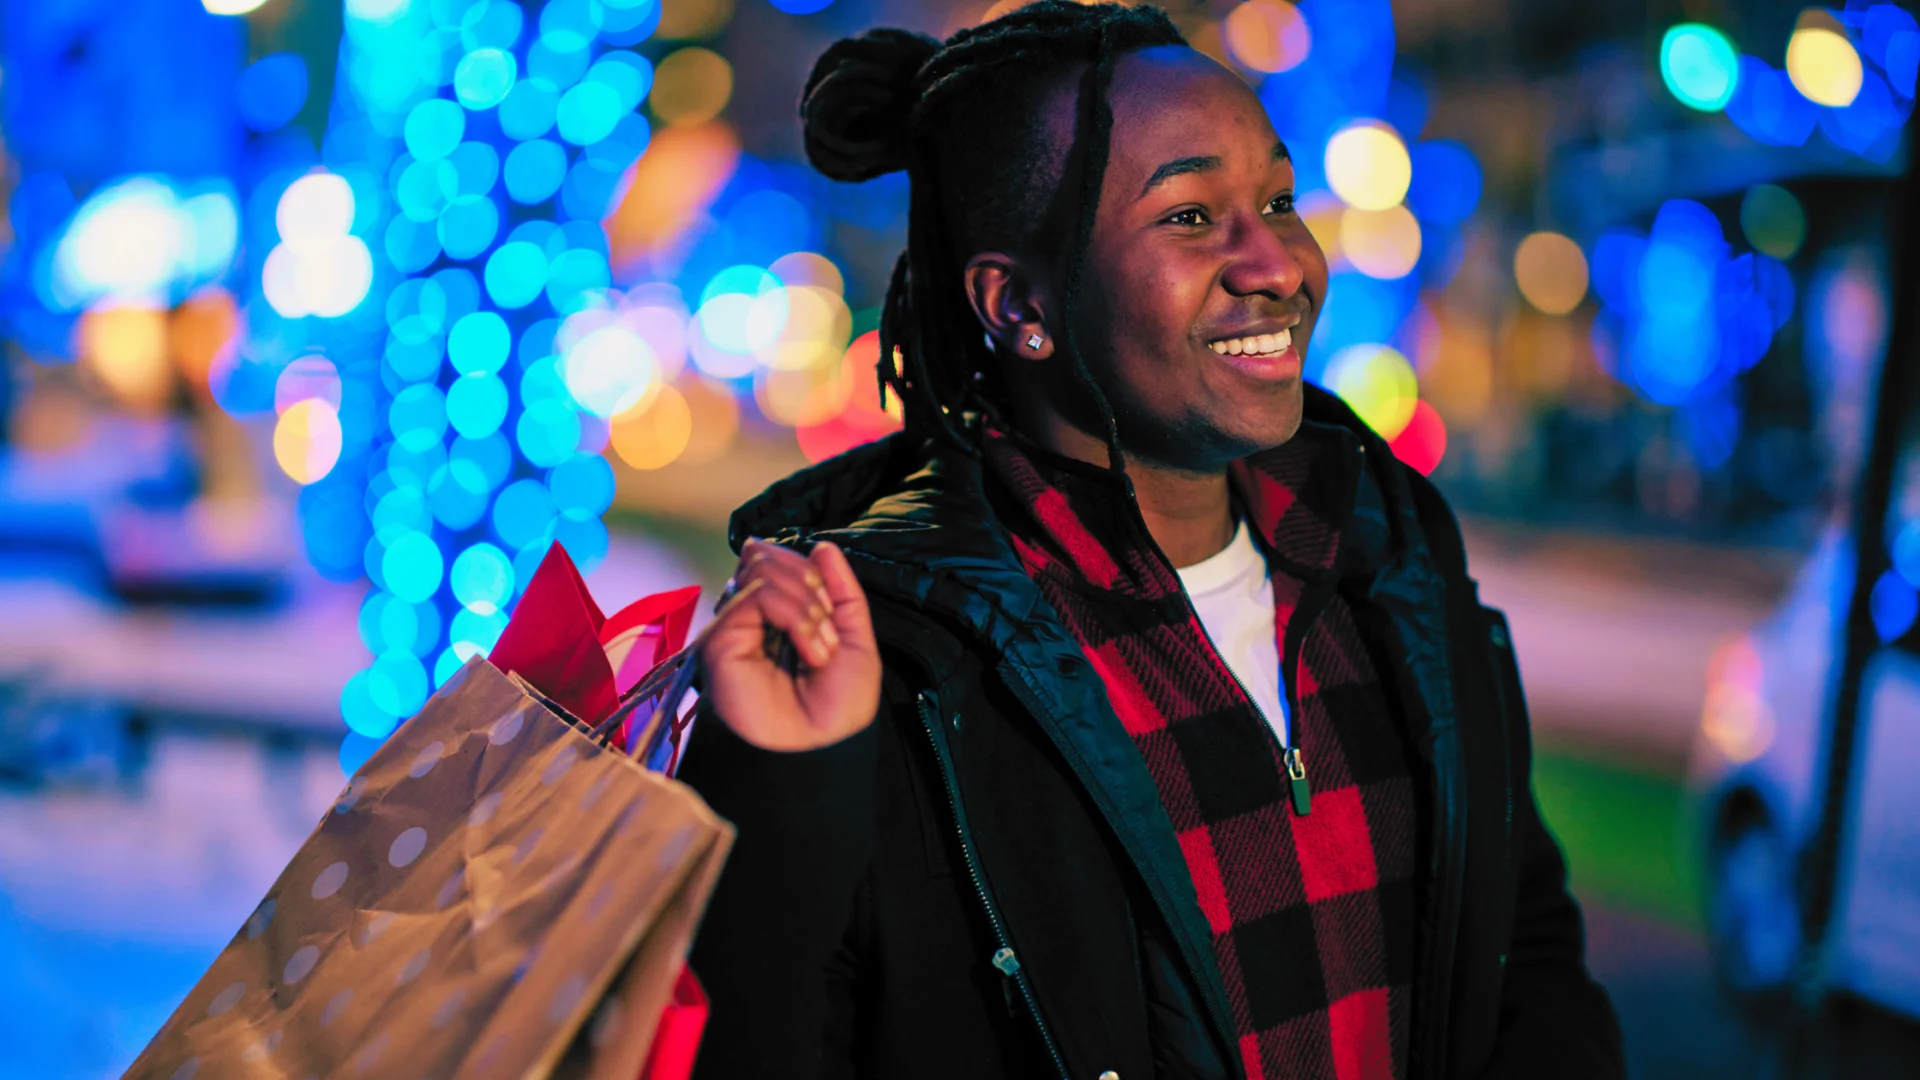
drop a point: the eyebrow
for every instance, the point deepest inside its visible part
(1203, 163)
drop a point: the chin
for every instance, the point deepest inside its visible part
(1274, 424)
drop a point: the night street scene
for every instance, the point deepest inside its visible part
(734, 538)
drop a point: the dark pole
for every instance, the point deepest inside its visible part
(1894, 400)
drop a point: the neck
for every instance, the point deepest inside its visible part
(1189, 514)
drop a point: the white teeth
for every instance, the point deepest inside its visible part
(1257, 345)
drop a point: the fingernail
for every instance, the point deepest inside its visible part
(816, 613)
(831, 636)
(815, 581)
(826, 601)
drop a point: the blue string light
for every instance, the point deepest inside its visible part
(471, 128)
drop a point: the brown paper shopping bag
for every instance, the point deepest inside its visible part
(495, 894)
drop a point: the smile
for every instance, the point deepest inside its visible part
(1257, 345)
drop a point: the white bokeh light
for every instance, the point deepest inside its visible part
(609, 370)
(318, 268)
(317, 204)
(138, 241)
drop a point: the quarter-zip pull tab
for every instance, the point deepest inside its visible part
(1297, 780)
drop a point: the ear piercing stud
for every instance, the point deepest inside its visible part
(1034, 341)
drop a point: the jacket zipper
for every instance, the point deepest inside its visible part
(1291, 763)
(1004, 959)
(1031, 697)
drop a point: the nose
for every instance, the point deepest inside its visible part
(1260, 262)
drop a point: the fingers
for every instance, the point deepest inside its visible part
(843, 589)
(791, 598)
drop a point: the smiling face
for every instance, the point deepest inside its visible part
(1201, 282)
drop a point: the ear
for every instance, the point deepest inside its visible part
(1008, 301)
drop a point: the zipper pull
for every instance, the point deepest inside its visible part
(1297, 780)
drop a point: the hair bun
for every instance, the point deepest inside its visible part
(858, 102)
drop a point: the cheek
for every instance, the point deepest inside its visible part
(1155, 303)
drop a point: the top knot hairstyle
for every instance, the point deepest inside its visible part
(963, 119)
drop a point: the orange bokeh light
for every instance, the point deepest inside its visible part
(861, 420)
(1267, 35)
(673, 182)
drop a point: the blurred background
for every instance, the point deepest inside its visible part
(322, 320)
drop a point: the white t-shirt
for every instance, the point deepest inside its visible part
(1234, 597)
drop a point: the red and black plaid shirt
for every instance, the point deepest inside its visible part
(1312, 916)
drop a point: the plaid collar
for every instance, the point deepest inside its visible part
(1298, 498)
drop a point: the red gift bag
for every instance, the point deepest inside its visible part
(559, 642)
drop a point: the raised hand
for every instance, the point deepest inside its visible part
(833, 688)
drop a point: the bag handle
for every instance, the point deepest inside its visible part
(665, 686)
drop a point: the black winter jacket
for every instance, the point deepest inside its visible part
(984, 884)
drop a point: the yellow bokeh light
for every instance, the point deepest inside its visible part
(126, 347)
(1382, 244)
(1368, 166)
(655, 433)
(809, 396)
(1551, 271)
(1822, 63)
(693, 18)
(1378, 383)
(306, 440)
(807, 268)
(814, 334)
(691, 86)
(1267, 35)
(1321, 211)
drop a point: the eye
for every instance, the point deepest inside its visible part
(1191, 217)
(1281, 204)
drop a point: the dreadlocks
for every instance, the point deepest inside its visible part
(963, 119)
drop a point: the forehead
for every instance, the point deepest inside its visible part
(1174, 102)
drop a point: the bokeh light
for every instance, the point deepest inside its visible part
(694, 18)
(318, 268)
(1894, 606)
(609, 370)
(271, 91)
(308, 377)
(1267, 35)
(483, 78)
(1551, 271)
(1378, 383)
(862, 418)
(1381, 244)
(691, 86)
(1368, 166)
(306, 440)
(1423, 442)
(141, 240)
(1773, 220)
(1822, 62)
(1322, 211)
(1446, 181)
(1700, 66)
(125, 347)
(654, 435)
